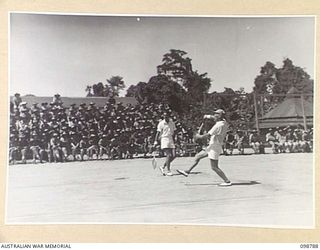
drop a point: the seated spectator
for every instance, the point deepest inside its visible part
(240, 139)
(55, 147)
(271, 139)
(230, 142)
(13, 148)
(255, 142)
(306, 141)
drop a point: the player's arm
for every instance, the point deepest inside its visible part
(156, 138)
(200, 128)
(159, 128)
(215, 130)
(204, 136)
(174, 134)
(208, 117)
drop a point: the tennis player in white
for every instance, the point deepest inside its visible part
(217, 135)
(165, 131)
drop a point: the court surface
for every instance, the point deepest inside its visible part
(271, 190)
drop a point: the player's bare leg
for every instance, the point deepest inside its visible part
(201, 155)
(170, 156)
(215, 168)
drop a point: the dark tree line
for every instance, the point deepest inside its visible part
(186, 90)
(110, 89)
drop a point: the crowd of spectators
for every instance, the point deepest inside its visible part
(50, 132)
(290, 139)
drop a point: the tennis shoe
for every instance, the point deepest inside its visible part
(225, 184)
(169, 173)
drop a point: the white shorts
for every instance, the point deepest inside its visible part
(214, 152)
(167, 143)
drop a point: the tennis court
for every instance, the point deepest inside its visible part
(269, 190)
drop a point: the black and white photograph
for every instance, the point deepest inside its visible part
(155, 119)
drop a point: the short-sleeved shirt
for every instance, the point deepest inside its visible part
(166, 129)
(218, 133)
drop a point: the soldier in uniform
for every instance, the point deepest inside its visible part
(65, 144)
(75, 144)
(103, 146)
(93, 146)
(23, 146)
(83, 145)
(55, 147)
(255, 142)
(13, 148)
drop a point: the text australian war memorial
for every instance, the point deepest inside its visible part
(276, 116)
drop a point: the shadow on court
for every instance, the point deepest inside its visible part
(247, 183)
(192, 173)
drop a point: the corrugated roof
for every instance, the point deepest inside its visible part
(290, 107)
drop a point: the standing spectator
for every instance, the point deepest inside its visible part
(57, 99)
(16, 100)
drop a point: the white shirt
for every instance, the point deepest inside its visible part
(218, 133)
(166, 129)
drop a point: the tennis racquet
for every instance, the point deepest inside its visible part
(154, 160)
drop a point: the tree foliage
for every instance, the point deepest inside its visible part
(110, 89)
(272, 80)
(175, 84)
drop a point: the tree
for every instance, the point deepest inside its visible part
(160, 89)
(116, 84)
(292, 76)
(88, 89)
(177, 67)
(98, 89)
(266, 81)
(279, 81)
(139, 91)
(111, 89)
(197, 85)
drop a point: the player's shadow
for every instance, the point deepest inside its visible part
(192, 173)
(248, 183)
(245, 183)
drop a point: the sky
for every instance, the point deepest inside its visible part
(63, 54)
